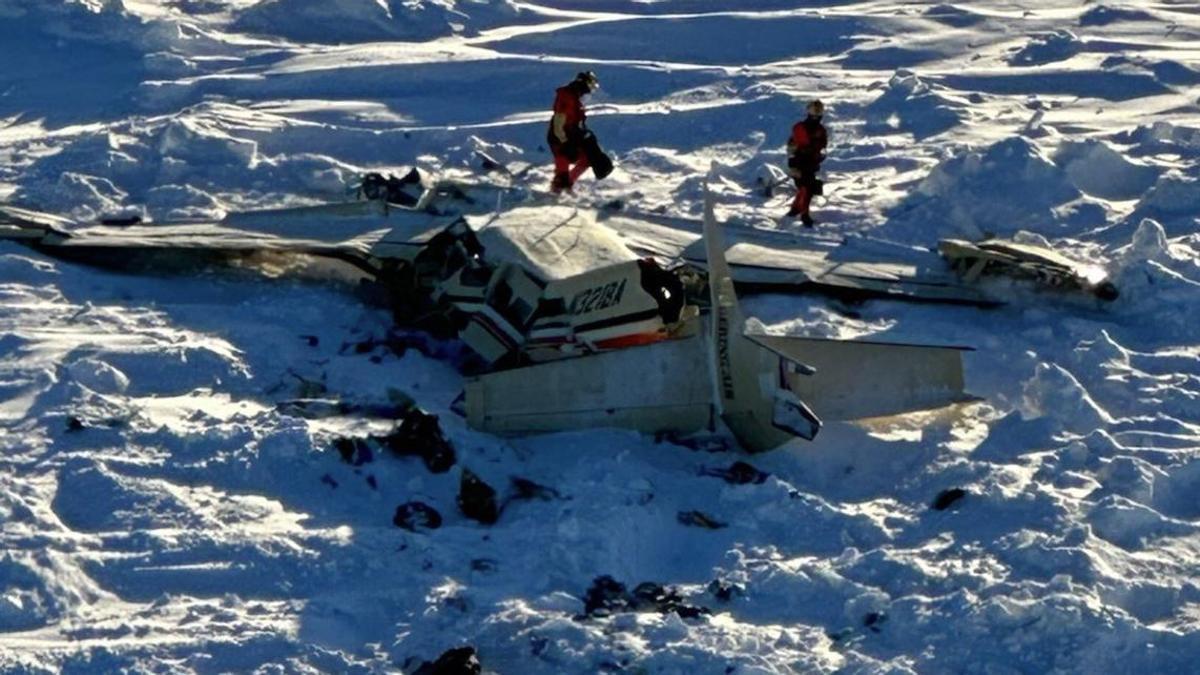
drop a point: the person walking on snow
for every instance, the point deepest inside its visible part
(568, 129)
(806, 151)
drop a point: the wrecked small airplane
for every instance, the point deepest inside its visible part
(765, 388)
(580, 324)
(1042, 265)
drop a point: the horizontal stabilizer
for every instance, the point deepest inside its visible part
(855, 380)
(649, 389)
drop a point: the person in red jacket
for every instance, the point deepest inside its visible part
(806, 151)
(567, 129)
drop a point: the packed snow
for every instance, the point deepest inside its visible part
(161, 512)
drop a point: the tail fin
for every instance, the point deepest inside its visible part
(753, 394)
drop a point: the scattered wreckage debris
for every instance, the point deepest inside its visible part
(417, 517)
(75, 423)
(476, 499)
(354, 451)
(607, 596)
(1019, 260)
(561, 312)
(525, 489)
(416, 434)
(404, 191)
(457, 661)
(738, 473)
(479, 501)
(849, 635)
(947, 498)
(724, 590)
(699, 519)
(484, 565)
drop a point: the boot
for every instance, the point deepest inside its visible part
(562, 181)
(807, 220)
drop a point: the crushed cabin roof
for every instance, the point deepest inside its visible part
(551, 242)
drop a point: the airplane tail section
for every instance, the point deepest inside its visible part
(862, 379)
(752, 383)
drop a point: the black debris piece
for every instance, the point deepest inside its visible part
(699, 519)
(649, 593)
(370, 345)
(329, 480)
(607, 596)
(418, 433)
(355, 451)
(417, 517)
(650, 596)
(841, 635)
(477, 499)
(523, 488)
(308, 388)
(689, 611)
(725, 591)
(486, 565)
(738, 473)
(312, 340)
(75, 424)
(874, 621)
(122, 221)
(741, 473)
(372, 482)
(405, 191)
(459, 661)
(947, 498)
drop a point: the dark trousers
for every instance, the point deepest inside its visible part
(806, 186)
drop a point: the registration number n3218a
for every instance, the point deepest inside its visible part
(597, 298)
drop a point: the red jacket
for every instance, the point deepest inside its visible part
(567, 103)
(807, 144)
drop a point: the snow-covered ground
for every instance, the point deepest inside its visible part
(158, 514)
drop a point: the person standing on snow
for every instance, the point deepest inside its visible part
(568, 129)
(806, 151)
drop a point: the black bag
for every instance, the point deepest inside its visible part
(601, 163)
(817, 187)
(477, 499)
(404, 191)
